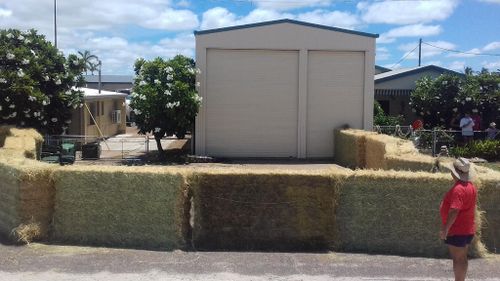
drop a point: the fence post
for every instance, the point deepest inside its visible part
(434, 140)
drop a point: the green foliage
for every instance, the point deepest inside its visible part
(486, 149)
(165, 99)
(380, 118)
(37, 83)
(438, 100)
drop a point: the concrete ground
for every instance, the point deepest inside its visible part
(50, 262)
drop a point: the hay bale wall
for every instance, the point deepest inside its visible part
(120, 206)
(390, 153)
(489, 201)
(252, 211)
(393, 213)
(26, 201)
(350, 147)
(9, 199)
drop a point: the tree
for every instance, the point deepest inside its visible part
(164, 98)
(37, 83)
(380, 118)
(439, 100)
(88, 61)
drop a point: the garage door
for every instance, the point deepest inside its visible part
(251, 103)
(335, 97)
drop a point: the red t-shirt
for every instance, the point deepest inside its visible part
(462, 196)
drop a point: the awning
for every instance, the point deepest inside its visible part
(392, 92)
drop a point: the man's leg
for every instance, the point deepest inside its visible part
(460, 263)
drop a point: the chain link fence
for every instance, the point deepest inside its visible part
(428, 141)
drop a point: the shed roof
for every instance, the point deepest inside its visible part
(266, 23)
(93, 94)
(403, 72)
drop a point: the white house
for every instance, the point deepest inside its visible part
(280, 88)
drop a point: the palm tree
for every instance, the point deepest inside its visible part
(93, 67)
(87, 59)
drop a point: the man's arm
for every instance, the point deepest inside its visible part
(452, 216)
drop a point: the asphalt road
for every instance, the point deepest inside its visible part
(49, 262)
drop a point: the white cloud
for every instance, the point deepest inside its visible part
(221, 17)
(427, 51)
(97, 15)
(289, 4)
(217, 17)
(492, 46)
(473, 52)
(171, 19)
(414, 30)
(382, 53)
(4, 13)
(334, 18)
(491, 65)
(183, 4)
(457, 66)
(491, 1)
(406, 12)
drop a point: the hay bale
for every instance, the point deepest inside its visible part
(245, 210)
(27, 142)
(26, 200)
(391, 153)
(393, 213)
(120, 206)
(350, 147)
(489, 201)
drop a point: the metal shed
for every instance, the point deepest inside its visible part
(280, 88)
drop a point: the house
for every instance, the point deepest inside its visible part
(393, 88)
(110, 82)
(280, 88)
(103, 114)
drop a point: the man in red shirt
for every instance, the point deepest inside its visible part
(457, 216)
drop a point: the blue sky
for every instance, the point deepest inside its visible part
(120, 31)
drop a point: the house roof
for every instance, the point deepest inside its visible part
(109, 78)
(381, 68)
(266, 23)
(402, 72)
(93, 94)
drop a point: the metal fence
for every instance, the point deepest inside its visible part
(428, 141)
(111, 148)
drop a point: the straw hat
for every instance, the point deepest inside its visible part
(460, 169)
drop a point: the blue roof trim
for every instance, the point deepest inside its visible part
(265, 23)
(417, 70)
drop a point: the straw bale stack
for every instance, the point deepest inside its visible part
(393, 213)
(26, 200)
(245, 210)
(120, 206)
(350, 147)
(391, 153)
(26, 142)
(489, 201)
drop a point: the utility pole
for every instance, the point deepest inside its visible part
(419, 52)
(99, 64)
(55, 23)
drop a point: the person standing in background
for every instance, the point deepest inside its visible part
(467, 126)
(491, 131)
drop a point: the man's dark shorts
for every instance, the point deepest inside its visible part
(459, 240)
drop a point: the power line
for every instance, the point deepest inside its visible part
(461, 52)
(407, 54)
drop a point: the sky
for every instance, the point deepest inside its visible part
(120, 31)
